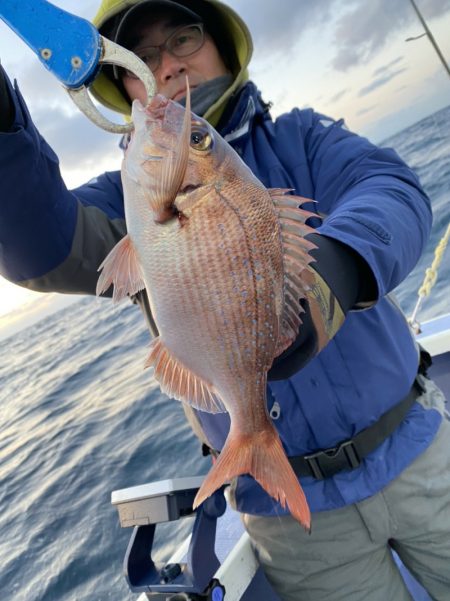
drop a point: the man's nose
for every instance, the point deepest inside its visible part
(170, 66)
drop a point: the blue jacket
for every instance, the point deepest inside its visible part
(54, 239)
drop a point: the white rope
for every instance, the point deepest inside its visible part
(430, 278)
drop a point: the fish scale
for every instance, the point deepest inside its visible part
(192, 254)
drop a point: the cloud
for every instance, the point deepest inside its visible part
(338, 95)
(78, 143)
(366, 110)
(384, 68)
(276, 26)
(350, 32)
(85, 9)
(369, 26)
(381, 81)
(359, 29)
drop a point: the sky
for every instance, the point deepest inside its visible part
(344, 58)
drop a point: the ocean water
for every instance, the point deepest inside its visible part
(79, 418)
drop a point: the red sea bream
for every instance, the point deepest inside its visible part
(225, 264)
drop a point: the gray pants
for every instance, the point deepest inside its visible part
(347, 556)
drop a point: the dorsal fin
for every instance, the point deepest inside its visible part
(296, 260)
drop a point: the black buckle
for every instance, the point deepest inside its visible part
(327, 463)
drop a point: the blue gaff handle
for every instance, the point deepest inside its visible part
(68, 46)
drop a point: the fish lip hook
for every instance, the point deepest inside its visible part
(114, 54)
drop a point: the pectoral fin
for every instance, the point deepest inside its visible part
(122, 270)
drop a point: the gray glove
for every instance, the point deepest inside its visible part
(6, 105)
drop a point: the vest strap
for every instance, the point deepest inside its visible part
(350, 453)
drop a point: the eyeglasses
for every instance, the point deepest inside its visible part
(184, 41)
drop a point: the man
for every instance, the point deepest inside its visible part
(351, 371)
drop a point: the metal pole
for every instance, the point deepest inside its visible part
(431, 38)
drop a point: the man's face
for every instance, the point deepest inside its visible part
(205, 64)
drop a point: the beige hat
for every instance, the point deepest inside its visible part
(225, 26)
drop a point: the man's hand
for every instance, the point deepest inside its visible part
(6, 105)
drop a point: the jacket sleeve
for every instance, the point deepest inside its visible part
(372, 201)
(376, 220)
(52, 239)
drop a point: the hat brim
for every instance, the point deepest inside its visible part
(148, 8)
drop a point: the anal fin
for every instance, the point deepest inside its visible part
(179, 382)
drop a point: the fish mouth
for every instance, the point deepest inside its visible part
(158, 101)
(190, 195)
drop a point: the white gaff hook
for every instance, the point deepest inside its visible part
(115, 55)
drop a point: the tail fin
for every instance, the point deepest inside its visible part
(262, 456)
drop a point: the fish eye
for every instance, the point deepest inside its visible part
(201, 139)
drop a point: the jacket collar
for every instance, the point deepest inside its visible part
(244, 108)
